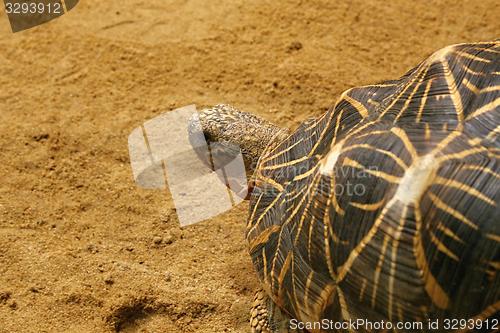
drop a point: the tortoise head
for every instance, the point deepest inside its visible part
(234, 131)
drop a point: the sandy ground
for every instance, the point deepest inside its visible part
(82, 249)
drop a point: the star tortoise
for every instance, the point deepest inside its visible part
(383, 208)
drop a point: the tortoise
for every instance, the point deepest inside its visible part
(383, 209)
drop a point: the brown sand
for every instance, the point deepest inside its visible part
(82, 249)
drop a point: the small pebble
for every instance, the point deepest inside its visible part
(4, 296)
(12, 304)
(168, 239)
(34, 289)
(92, 248)
(294, 46)
(109, 280)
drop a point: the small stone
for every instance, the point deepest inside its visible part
(12, 304)
(294, 46)
(41, 223)
(92, 248)
(168, 239)
(168, 276)
(34, 289)
(157, 240)
(109, 280)
(4, 296)
(41, 137)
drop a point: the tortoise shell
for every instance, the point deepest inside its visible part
(386, 206)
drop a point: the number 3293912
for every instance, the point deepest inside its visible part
(33, 8)
(481, 324)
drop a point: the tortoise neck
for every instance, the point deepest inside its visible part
(250, 133)
(255, 140)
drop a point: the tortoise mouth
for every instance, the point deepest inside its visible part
(214, 154)
(224, 158)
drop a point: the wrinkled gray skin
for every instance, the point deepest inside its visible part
(233, 129)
